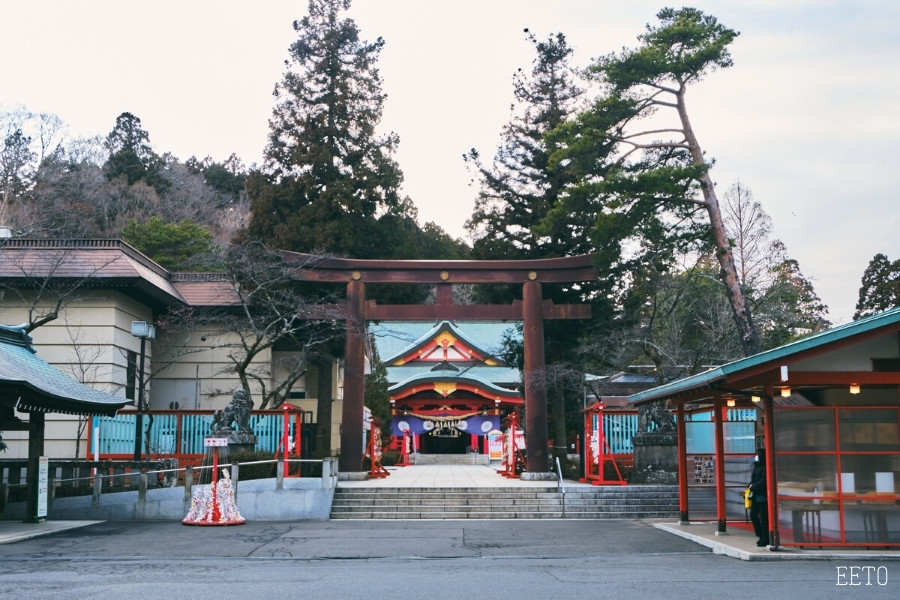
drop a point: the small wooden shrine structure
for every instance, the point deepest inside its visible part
(830, 424)
(29, 384)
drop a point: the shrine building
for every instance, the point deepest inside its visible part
(448, 391)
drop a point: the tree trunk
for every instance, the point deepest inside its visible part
(740, 310)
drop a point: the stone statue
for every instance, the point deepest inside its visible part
(655, 451)
(237, 412)
(655, 413)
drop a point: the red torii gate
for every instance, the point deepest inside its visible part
(532, 310)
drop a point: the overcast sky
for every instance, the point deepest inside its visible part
(808, 118)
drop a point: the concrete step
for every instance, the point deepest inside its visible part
(634, 502)
(450, 459)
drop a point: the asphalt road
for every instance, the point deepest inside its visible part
(411, 559)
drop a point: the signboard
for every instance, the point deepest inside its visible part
(214, 442)
(495, 445)
(43, 479)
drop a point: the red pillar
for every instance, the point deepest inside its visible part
(354, 382)
(720, 464)
(536, 442)
(771, 477)
(683, 504)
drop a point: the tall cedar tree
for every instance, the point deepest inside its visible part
(131, 156)
(327, 177)
(880, 287)
(519, 189)
(660, 170)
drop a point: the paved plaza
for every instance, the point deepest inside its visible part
(698, 536)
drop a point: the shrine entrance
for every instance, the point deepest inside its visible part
(531, 310)
(445, 444)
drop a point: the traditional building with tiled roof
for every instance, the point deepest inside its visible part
(109, 284)
(447, 385)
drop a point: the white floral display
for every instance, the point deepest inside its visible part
(201, 511)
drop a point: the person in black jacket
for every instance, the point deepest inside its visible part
(759, 508)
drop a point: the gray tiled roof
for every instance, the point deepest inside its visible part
(31, 384)
(104, 262)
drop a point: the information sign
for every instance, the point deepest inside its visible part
(43, 479)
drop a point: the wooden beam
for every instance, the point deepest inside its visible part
(441, 312)
(471, 312)
(35, 451)
(568, 269)
(352, 424)
(809, 378)
(15, 426)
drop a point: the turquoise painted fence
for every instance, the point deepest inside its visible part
(619, 428)
(115, 435)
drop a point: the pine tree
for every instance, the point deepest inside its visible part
(658, 187)
(174, 246)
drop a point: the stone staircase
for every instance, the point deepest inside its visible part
(450, 459)
(582, 502)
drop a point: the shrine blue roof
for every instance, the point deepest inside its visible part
(28, 383)
(391, 338)
(394, 338)
(498, 375)
(489, 387)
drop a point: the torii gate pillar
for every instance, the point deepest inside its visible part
(354, 380)
(537, 446)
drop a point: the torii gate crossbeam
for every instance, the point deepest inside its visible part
(532, 310)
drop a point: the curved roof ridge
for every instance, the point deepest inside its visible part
(453, 329)
(433, 376)
(838, 333)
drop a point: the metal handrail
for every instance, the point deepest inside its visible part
(560, 486)
(328, 478)
(175, 470)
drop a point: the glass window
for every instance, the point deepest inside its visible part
(870, 473)
(869, 430)
(872, 524)
(806, 475)
(804, 429)
(701, 437)
(740, 437)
